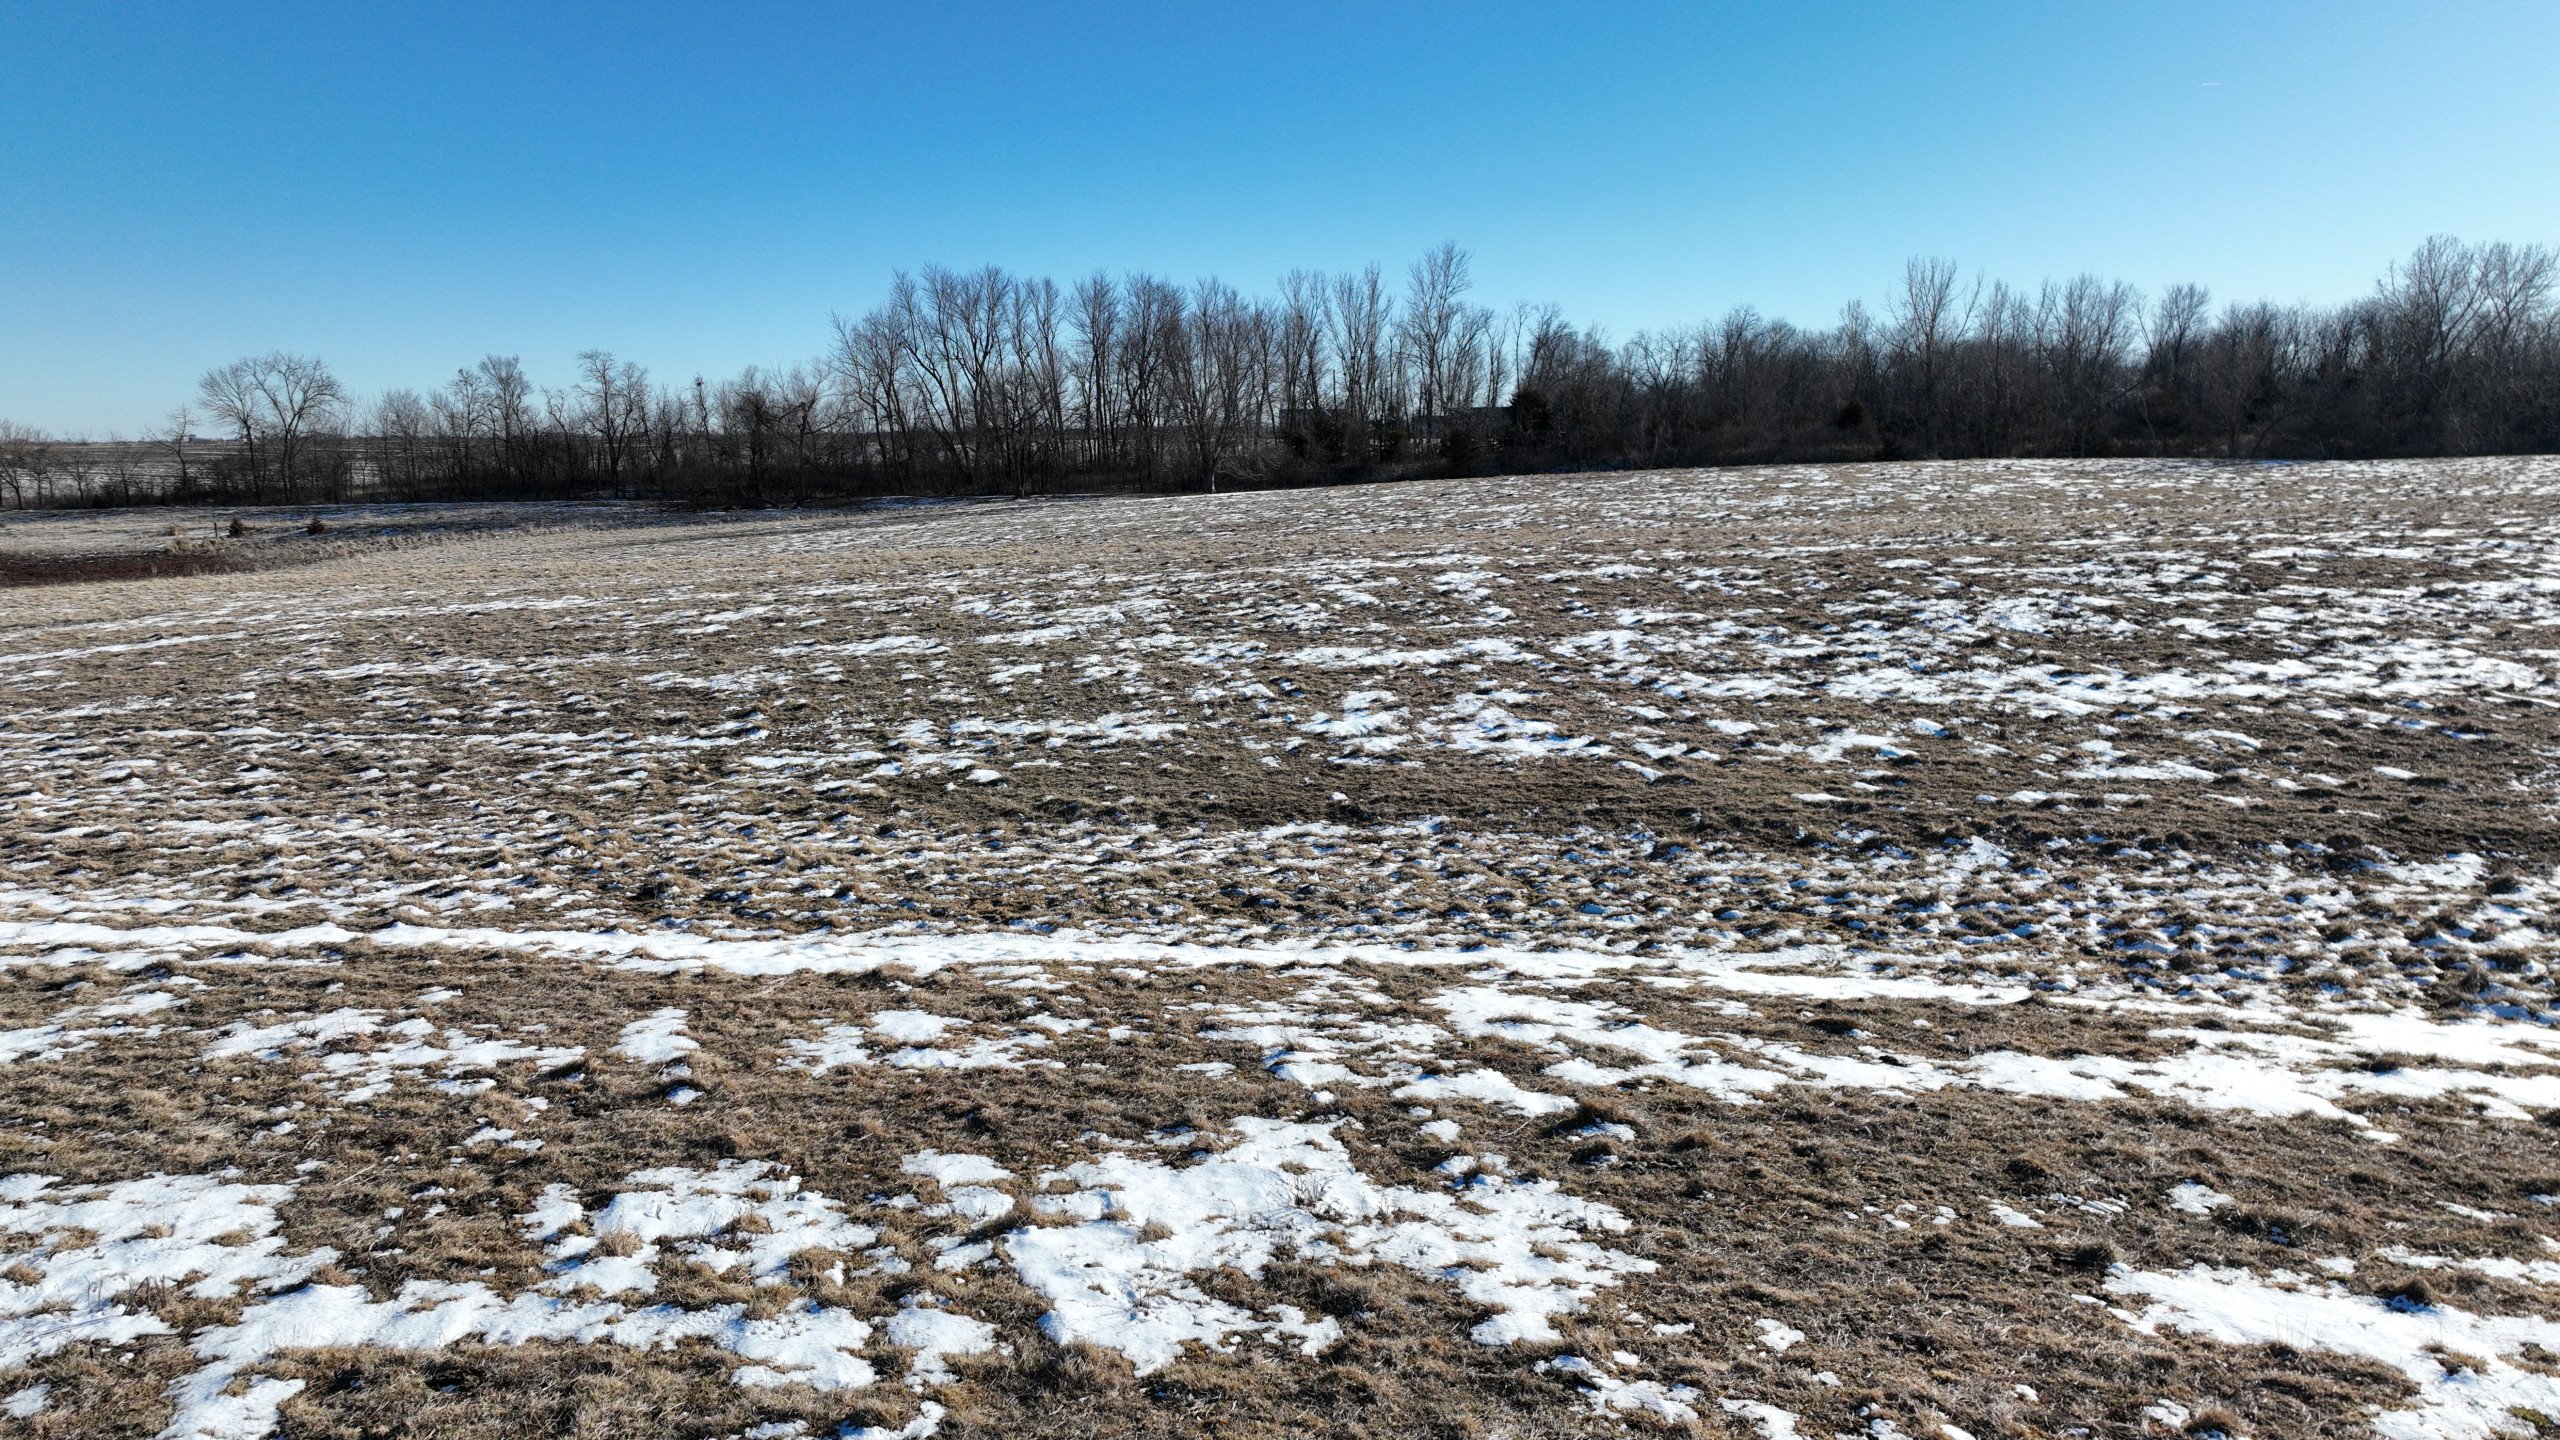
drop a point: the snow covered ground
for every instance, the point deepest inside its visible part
(1986, 949)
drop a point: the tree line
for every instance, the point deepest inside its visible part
(985, 382)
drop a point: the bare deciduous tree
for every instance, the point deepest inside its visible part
(275, 403)
(26, 465)
(613, 406)
(979, 380)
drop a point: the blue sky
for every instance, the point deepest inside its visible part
(402, 189)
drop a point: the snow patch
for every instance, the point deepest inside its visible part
(2467, 1388)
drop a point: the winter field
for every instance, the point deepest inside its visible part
(1989, 949)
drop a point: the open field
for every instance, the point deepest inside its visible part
(64, 546)
(1989, 949)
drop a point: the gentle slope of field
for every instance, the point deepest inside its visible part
(1974, 949)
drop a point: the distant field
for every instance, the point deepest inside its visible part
(1988, 949)
(52, 547)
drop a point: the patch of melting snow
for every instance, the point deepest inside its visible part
(747, 1216)
(317, 1032)
(78, 1028)
(912, 1027)
(98, 1244)
(1120, 1278)
(489, 1134)
(2502, 1267)
(836, 1045)
(935, 1335)
(994, 1053)
(139, 947)
(1490, 1087)
(928, 1422)
(800, 1344)
(1772, 1422)
(968, 1185)
(2265, 1069)
(657, 1040)
(2273, 1074)
(2196, 1198)
(1778, 1336)
(917, 1034)
(97, 1248)
(2459, 1362)
(353, 1076)
(1606, 1394)
(1368, 717)
(95, 1244)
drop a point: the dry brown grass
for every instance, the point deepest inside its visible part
(486, 733)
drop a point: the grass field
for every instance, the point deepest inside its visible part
(1991, 949)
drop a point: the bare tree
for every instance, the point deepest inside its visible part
(1429, 327)
(1926, 318)
(960, 338)
(1038, 377)
(275, 403)
(2088, 324)
(1218, 360)
(1151, 342)
(971, 379)
(1361, 317)
(613, 407)
(26, 464)
(1301, 342)
(403, 436)
(175, 438)
(871, 362)
(1095, 319)
(509, 400)
(230, 394)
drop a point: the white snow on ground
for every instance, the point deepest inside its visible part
(353, 1076)
(73, 1252)
(928, 1422)
(80, 1027)
(837, 1045)
(2196, 1198)
(912, 1027)
(79, 1255)
(967, 1183)
(2530, 1272)
(1286, 1188)
(1002, 1052)
(935, 1335)
(2013, 1217)
(1118, 1275)
(1606, 1394)
(917, 1034)
(1490, 1087)
(1778, 1336)
(2468, 1387)
(660, 1040)
(2260, 1071)
(657, 1040)
(801, 1344)
(744, 1216)
(1772, 1422)
(2278, 1059)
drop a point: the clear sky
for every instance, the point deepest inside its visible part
(401, 189)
